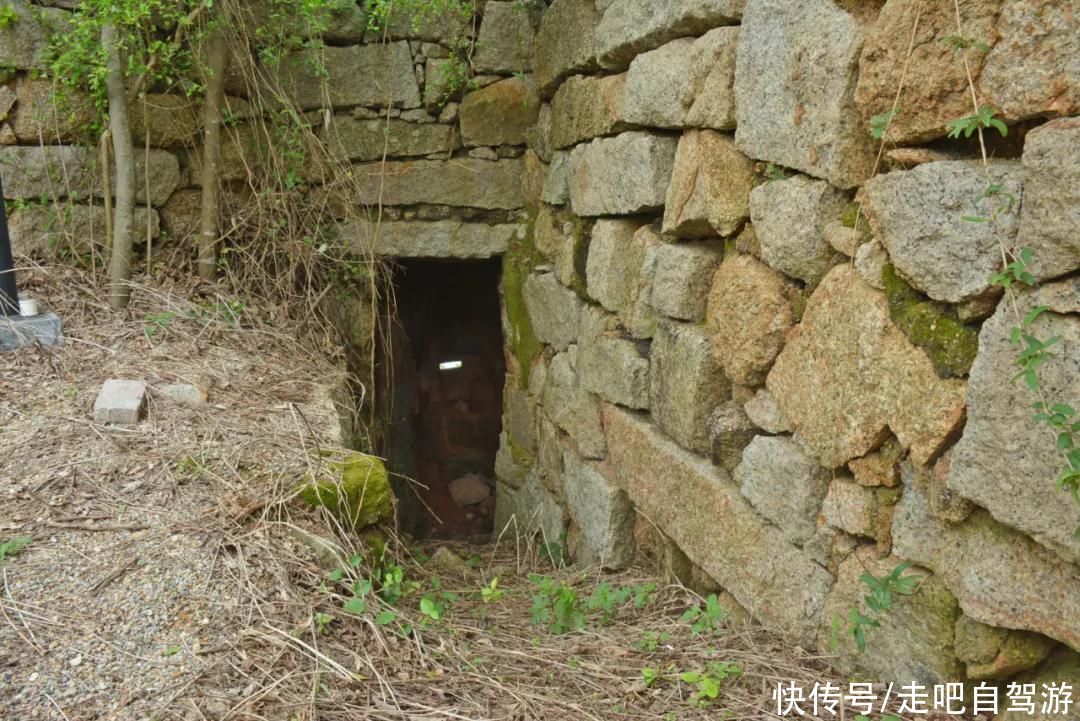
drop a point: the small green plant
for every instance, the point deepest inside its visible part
(774, 172)
(556, 606)
(606, 599)
(879, 124)
(967, 126)
(708, 681)
(436, 602)
(958, 43)
(554, 552)
(879, 600)
(707, 619)
(491, 593)
(13, 546)
(322, 622)
(649, 676)
(157, 322)
(8, 17)
(650, 641)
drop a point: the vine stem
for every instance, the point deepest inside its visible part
(1010, 294)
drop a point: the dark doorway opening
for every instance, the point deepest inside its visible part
(447, 380)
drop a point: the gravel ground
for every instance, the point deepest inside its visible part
(132, 583)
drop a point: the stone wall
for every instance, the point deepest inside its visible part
(735, 379)
(732, 346)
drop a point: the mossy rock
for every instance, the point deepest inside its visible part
(934, 327)
(356, 489)
(521, 257)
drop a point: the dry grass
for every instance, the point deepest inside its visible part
(223, 476)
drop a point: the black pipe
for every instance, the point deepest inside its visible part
(9, 293)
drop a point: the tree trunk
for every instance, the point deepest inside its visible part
(120, 260)
(210, 211)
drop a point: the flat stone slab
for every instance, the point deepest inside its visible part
(18, 331)
(120, 402)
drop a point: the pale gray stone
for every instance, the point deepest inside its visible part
(377, 75)
(370, 139)
(565, 43)
(714, 106)
(624, 175)
(851, 507)
(571, 407)
(529, 511)
(870, 261)
(120, 402)
(31, 172)
(461, 182)
(640, 317)
(1005, 461)
(632, 27)
(730, 432)
(183, 393)
(795, 78)
(554, 309)
(21, 331)
(686, 384)
(430, 239)
(789, 217)
(601, 510)
(615, 369)
(162, 174)
(556, 189)
(764, 413)
(1050, 215)
(614, 263)
(919, 216)
(508, 469)
(584, 108)
(699, 507)
(999, 576)
(683, 276)
(784, 484)
(44, 230)
(661, 85)
(505, 43)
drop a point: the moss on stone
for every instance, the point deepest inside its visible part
(580, 256)
(850, 215)
(934, 327)
(521, 455)
(357, 490)
(521, 257)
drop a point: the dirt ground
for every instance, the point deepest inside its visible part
(170, 572)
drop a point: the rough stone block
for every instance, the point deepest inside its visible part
(915, 641)
(847, 375)
(683, 275)
(870, 261)
(730, 432)
(509, 470)
(640, 317)
(1050, 214)
(880, 468)
(918, 215)
(1005, 462)
(616, 370)
(795, 75)
(32, 172)
(499, 114)
(571, 407)
(602, 511)
(784, 484)
(462, 182)
(999, 576)
(765, 413)
(353, 139)
(661, 85)
(529, 511)
(710, 186)
(565, 43)
(852, 508)
(42, 231)
(505, 42)
(376, 75)
(557, 182)
(24, 41)
(37, 117)
(555, 310)
(749, 314)
(585, 108)
(183, 393)
(699, 507)
(624, 175)
(632, 27)
(614, 263)
(714, 106)
(686, 384)
(998, 653)
(789, 218)
(430, 239)
(21, 331)
(120, 402)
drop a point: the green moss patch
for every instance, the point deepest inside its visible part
(521, 257)
(934, 327)
(356, 490)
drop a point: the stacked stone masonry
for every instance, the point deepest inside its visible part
(724, 311)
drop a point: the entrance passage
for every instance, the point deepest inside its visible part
(449, 370)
